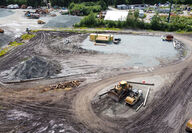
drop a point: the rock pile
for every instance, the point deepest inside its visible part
(36, 67)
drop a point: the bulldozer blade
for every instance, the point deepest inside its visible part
(113, 96)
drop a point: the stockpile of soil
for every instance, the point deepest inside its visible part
(36, 67)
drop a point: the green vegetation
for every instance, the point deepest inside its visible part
(177, 23)
(86, 8)
(14, 44)
(27, 36)
(3, 51)
(132, 21)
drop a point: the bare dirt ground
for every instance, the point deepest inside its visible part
(25, 108)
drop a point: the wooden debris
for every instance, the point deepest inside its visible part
(65, 86)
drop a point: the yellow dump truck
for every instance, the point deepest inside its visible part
(101, 38)
(189, 126)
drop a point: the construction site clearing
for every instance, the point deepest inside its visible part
(59, 81)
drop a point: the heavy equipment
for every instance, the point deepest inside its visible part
(189, 126)
(167, 38)
(116, 40)
(124, 91)
(120, 91)
(133, 96)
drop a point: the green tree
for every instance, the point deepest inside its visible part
(102, 4)
(136, 14)
(89, 20)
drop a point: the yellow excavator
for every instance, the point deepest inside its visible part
(189, 126)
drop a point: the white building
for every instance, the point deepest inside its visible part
(116, 15)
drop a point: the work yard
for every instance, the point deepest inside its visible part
(60, 91)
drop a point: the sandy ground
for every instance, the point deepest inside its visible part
(24, 108)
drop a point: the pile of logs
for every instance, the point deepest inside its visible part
(65, 85)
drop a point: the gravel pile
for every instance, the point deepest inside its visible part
(36, 67)
(63, 21)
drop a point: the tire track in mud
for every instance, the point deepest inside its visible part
(17, 53)
(150, 120)
(162, 107)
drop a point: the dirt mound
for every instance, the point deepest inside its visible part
(36, 67)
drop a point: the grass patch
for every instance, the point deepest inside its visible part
(3, 51)
(27, 36)
(79, 30)
(14, 44)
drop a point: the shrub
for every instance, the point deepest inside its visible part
(84, 8)
(89, 21)
(157, 23)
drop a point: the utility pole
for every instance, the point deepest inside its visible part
(170, 11)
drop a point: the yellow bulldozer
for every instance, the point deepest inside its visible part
(124, 91)
(120, 91)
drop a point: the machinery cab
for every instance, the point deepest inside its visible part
(120, 91)
(123, 85)
(189, 126)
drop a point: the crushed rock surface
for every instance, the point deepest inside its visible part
(36, 67)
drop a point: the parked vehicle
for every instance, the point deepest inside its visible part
(116, 40)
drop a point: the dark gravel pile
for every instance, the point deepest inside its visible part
(36, 67)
